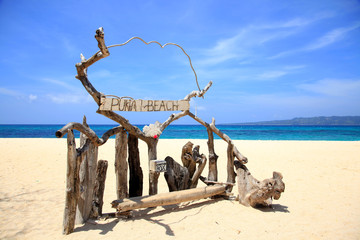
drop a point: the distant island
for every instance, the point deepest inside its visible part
(324, 121)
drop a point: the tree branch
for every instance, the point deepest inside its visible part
(88, 132)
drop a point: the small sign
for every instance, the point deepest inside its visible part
(139, 105)
(158, 165)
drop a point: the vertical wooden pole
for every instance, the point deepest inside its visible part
(136, 174)
(230, 167)
(99, 189)
(72, 185)
(213, 172)
(121, 166)
(153, 176)
(87, 177)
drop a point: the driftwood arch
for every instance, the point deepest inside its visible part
(86, 175)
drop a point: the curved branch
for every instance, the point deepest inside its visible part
(84, 64)
(198, 93)
(172, 118)
(162, 46)
(88, 132)
(125, 124)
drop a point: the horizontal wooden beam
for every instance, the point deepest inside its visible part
(163, 199)
(139, 105)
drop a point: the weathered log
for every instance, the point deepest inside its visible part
(136, 174)
(121, 165)
(163, 199)
(254, 193)
(87, 177)
(177, 176)
(187, 158)
(99, 188)
(72, 184)
(230, 167)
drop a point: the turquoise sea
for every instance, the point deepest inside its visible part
(235, 132)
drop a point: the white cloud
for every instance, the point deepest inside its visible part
(271, 74)
(334, 87)
(330, 37)
(240, 46)
(32, 97)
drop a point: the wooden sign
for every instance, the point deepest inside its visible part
(158, 165)
(139, 105)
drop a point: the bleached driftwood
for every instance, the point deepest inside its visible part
(88, 132)
(87, 176)
(254, 193)
(163, 199)
(72, 186)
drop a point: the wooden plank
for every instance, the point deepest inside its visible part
(163, 199)
(139, 105)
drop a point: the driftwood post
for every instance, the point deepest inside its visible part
(136, 174)
(230, 166)
(97, 204)
(121, 166)
(213, 173)
(72, 185)
(88, 152)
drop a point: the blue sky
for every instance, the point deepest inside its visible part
(268, 60)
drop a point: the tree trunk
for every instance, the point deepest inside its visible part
(72, 185)
(163, 199)
(121, 165)
(99, 189)
(177, 176)
(136, 174)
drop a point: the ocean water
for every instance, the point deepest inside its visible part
(235, 132)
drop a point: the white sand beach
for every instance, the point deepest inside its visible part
(320, 200)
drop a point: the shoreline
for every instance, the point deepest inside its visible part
(320, 198)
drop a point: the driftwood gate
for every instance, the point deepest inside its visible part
(86, 174)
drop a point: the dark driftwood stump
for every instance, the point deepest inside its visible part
(177, 176)
(254, 193)
(136, 174)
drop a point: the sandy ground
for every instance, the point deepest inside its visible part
(321, 199)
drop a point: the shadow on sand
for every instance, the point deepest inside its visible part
(274, 208)
(146, 215)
